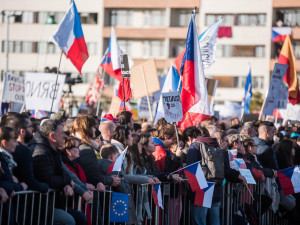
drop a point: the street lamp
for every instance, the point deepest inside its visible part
(8, 14)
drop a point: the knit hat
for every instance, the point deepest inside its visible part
(109, 117)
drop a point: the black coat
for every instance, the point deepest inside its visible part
(24, 169)
(253, 164)
(47, 164)
(152, 169)
(231, 175)
(88, 161)
(6, 179)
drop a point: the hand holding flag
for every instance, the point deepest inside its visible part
(117, 165)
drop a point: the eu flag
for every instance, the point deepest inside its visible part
(119, 209)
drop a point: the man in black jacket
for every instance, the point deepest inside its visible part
(22, 155)
(47, 165)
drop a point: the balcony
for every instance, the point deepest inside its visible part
(286, 3)
(154, 4)
(297, 64)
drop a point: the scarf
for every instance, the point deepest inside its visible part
(9, 158)
(209, 141)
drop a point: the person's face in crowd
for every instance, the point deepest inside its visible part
(253, 149)
(130, 124)
(173, 149)
(73, 153)
(239, 146)
(28, 131)
(59, 136)
(224, 143)
(114, 157)
(150, 148)
(140, 147)
(129, 139)
(11, 144)
(169, 141)
(271, 134)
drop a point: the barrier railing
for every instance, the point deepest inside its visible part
(30, 207)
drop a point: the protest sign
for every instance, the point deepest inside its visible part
(292, 112)
(125, 66)
(13, 88)
(277, 88)
(143, 109)
(144, 79)
(40, 89)
(211, 85)
(172, 106)
(240, 163)
(248, 176)
(232, 155)
(115, 105)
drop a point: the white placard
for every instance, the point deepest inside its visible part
(172, 106)
(40, 89)
(248, 175)
(292, 112)
(13, 88)
(276, 91)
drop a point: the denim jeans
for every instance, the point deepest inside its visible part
(62, 217)
(199, 214)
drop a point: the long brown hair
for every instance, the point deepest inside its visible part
(83, 126)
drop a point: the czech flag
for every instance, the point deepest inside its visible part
(290, 78)
(117, 165)
(280, 33)
(69, 37)
(156, 193)
(170, 85)
(195, 176)
(204, 197)
(110, 62)
(194, 97)
(289, 180)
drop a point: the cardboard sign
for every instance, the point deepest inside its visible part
(248, 175)
(125, 66)
(148, 71)
(40, 89)
(211, 85)
(172, 106)
(277, 93)
(13, 88)
(115, 105)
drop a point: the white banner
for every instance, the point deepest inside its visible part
(172, 106)
(291, 113)
(40, 90)
(13, 88)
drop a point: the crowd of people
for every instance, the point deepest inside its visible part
(73, 155)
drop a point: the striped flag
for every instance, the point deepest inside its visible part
(157, 197)
(117, 165)
(204, 197)
(290, 180)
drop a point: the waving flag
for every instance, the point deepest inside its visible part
(119, 208)
(195, 176)
(204, 197)
(170, 85)
(93, 91)
(117, 165)
(287, 57)
(110, 62)
(279, 33)
(194, 97)
(156, 193)
(248, 93)
(208, 42)
(69, 37)
(289, 180)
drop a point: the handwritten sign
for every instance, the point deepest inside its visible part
(13, 88)
(40, 89)
(248, 175)
(277, 92)
(172, 106)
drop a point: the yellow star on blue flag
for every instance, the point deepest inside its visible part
(119, 211)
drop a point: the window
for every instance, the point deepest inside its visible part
(176, 47)
(27, 17)
(291, 18)
(296, 49)
(251, 19)
(228, 19)
(89, 18)
(92, 48)
(181, 17)
(154, 17)
(240, 51)
(257, 82)
(153, 48)
(120, 17)
(125, 45)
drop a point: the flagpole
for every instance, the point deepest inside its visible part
(124, 108)
(262, 108)
(183, 168)
(56, 82)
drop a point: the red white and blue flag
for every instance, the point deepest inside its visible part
(290, 180)
(117, 165)
(204, 197)
(110, 62)
(279, 33)
(156, 193)
(195, 176)
(194, 97)
(69, 37)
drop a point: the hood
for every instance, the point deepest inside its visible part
(261, 145)
(209, 141)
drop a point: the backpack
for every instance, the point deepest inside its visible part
(212, 163)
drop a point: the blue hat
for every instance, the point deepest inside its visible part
(295, 135)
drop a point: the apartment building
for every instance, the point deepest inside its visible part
(152, 29)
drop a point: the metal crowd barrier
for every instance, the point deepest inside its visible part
(29, 207)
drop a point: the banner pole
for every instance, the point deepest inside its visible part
(124, 108)
(146, 89)
(55, 83)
